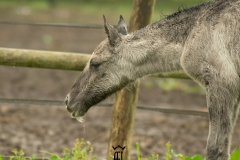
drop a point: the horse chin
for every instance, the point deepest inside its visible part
(78, 113)
(80, 119)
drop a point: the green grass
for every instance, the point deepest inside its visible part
(170, 155)
(170, 84)
(83, 151)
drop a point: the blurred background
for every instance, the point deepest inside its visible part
(50, 128)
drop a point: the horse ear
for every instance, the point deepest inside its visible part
(122, 27)
(112, 33)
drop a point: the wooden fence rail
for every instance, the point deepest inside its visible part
(43, 59)
(54, 60)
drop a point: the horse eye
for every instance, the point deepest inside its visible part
(94, 64)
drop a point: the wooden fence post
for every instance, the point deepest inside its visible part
(125, 103)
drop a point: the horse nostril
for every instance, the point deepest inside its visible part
(66, 100)
(68, 105)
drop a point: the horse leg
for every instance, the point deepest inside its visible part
(222, 101)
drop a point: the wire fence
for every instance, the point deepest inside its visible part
(182, 112)
(60, 103)
(90, 26)
(35, 102)
(4, 101)
(141, 107)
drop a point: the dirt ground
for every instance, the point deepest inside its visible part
(51, 129)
